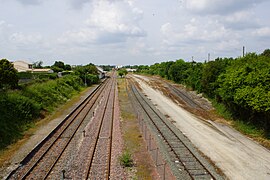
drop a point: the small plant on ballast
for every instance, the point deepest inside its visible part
(126, 159)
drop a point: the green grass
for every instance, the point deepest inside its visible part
(126, 159)
(221, 109)
(257, 133)
(19, 109)
(248, 129)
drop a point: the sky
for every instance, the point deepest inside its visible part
(129, 32)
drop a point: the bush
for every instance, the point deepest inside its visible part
(17, 112)
(18, 109)
(47, 75)
(25, 75)
(52, 93)
(126, 160)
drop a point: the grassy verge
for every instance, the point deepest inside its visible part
(244, 127)
(7, 153)
(133, 141)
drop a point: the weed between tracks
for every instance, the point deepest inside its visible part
(134, 143)
(126, 159)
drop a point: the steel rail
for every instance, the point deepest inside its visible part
(92, 154)
(74, 133)
(111, 135)
(74, 113)
(58, 137)
(186, 99)
(169, 128)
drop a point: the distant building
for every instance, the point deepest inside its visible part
(42, 70)
(22, 66)
(101, 72)
(131, 70)
(118, 66)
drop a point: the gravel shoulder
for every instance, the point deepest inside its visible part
(236, 155)
(39, 133)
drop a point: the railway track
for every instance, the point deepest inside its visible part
(96, 158)
(178, 149)
(41, 163)
(183, 96)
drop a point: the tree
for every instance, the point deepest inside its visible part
(8, 75)
(266, 53)
(59, 64)
(67, 67)
(246, 83)
(37, 64)
(87, 73)
(210, 74)
(122, 72)
(177, 71)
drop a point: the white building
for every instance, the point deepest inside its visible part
(101, 72)
(22, 66)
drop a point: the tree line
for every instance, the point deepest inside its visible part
(241, 84)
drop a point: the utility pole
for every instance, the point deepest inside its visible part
(208, 57)
(243, 51)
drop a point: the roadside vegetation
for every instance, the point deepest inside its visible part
(238, 87)
(21, 105)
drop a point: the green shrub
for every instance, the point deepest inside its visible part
(126, 159)
(47, 75)
(17, 112)
(18, 109)
(25, 75)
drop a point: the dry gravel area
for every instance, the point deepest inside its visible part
(236, 155)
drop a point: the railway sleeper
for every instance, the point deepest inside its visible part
(201, 176)
(193, 165)
(176, 143)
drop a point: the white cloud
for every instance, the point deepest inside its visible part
(4, 26)
(117, 17)
(199, 37)
(240, 20)
(262, 32)
(195, 32)
(80, 36)
(219, 6)
(78, 4)
(28, 2)
(109, 22)
(20, 38)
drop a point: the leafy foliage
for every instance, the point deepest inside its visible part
(8, 75)
(210, 74)
(126, 159)
(107, 67)
(18, 109)
(37, 64)
(60, 66)
(16, 112)
(266, 53)
(88, 73)
(122, 72)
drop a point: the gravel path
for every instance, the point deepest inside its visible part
(236, 155)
